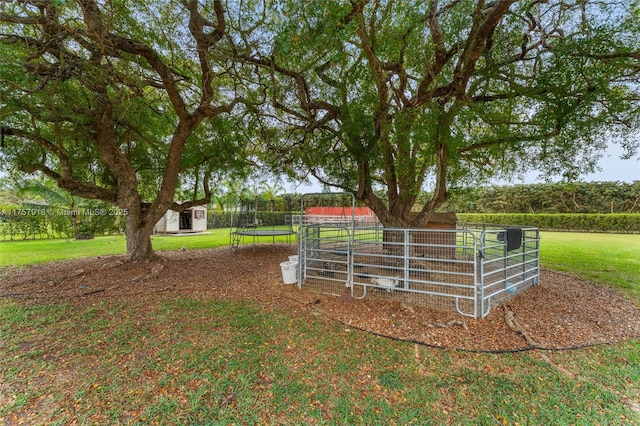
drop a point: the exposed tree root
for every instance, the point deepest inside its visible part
(513, 324)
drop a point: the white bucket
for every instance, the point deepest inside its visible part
(289, 272)
(293, 258)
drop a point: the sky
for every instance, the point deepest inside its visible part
(612, 168)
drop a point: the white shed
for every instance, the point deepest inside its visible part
(193, 219)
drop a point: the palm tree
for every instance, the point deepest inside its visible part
(271, 192)
(52, 197)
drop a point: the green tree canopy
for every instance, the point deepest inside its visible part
(410, 96)
(120, 101)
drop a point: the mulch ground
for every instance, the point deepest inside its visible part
(561, 312)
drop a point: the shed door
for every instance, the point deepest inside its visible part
(186, 221)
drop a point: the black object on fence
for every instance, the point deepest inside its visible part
(513, 236)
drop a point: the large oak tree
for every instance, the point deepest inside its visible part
(407, 95)
(119, 100)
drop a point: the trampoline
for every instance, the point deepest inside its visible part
(263, 233)
(262, 218)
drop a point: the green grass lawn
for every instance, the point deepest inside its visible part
(159, 360)
(611, 259)
(39, 251)
(183, 361)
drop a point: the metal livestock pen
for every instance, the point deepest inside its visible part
(469, 269)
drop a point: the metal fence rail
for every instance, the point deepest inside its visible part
(468, 270)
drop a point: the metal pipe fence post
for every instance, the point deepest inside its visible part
(407, 251)
(537, 279)
(480, 282)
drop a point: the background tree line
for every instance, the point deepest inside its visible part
(560, 197)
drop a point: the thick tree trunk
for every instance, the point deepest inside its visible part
(138, 233)
(139, 242)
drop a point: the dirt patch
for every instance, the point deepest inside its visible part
(561, 312)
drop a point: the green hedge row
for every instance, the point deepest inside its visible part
(220, 219)
(230, 220)
(577, 222)
(29, 223)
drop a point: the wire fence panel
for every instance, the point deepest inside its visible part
(324, 257)
(467, 270)
(504, 271)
